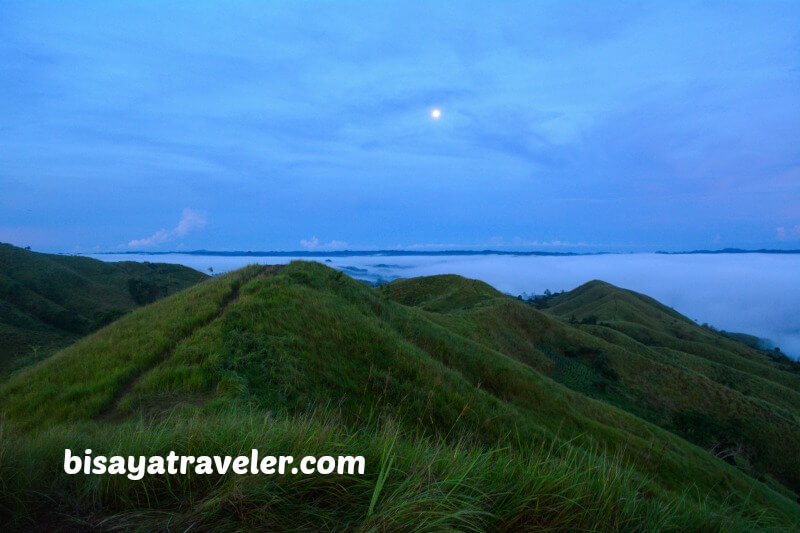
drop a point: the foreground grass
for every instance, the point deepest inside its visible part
(424, 483)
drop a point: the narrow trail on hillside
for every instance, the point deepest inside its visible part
(110, 409)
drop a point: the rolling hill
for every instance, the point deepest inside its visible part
(48, 301)
(473, 410)
(743, 404)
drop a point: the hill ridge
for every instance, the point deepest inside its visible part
(128, 387)
(48, 301)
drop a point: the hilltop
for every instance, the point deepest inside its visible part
(48, 301)
(473, 410)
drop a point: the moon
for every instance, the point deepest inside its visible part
(436, 113)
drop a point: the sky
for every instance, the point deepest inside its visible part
(565, 126)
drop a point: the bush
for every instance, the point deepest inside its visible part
(144, 292)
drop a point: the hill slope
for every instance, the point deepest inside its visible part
(741, 403)
(48, 301)
(441, 383)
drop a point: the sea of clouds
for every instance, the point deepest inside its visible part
(757, 294)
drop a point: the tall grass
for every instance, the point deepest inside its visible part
(410, 484)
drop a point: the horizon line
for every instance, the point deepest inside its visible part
(396, 252)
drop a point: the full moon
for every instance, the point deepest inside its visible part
(436, 113)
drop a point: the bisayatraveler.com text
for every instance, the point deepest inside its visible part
(136, 467)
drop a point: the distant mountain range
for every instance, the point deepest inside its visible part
(398, 253)
(735, 251)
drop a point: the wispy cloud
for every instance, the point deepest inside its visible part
(314, 244)
(787, 234)
(191, 220)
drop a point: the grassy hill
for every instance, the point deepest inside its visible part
(473, 411)
(741, 403)
(48, 301)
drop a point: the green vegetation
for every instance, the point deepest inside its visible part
(48, 301)
(473, 410)
(739, 402)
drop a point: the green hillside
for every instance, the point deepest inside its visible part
(48, 301)
(740, 403)
(473, 411)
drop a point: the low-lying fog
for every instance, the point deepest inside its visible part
(750, 293)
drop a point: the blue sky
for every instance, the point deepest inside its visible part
(288, 125)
